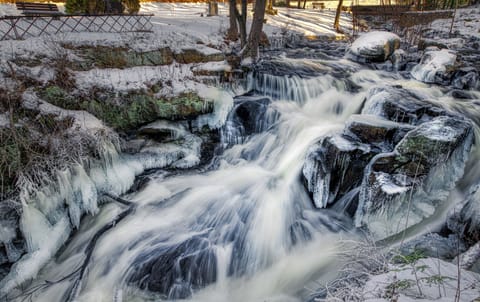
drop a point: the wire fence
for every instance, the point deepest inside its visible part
(22, 27)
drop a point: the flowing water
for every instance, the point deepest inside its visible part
(243, 228)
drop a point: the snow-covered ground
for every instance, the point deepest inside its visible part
(177, 22)
(466, 23)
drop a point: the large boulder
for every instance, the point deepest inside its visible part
(375, 46)
(335, 165)
(402, 188)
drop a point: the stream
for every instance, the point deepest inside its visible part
(243, 227)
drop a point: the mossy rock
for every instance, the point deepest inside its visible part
(192, 55)
(130, 110)
(119, 57)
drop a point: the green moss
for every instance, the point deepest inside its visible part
(58, 96)
(131, 110)
(118, 57)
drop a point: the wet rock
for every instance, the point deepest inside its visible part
(436, 67)
(11, 242)
(333, 167)
(464, 219)
(399, 59)
(249, 115)
(423, 168)
(462, 94)
(465, 78)
(373, 130)
(376, 46)
(176, 270)
(399, 105)
(470, 259)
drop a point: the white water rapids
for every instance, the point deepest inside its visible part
(243, 230)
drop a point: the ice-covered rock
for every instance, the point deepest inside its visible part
(403, 187)
(436, 66)
(399, 105)
(465, 78)
(333, 167)
(375, 46)
(374, 130)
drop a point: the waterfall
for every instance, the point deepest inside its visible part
(243, 229)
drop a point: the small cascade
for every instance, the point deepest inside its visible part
(293, 79)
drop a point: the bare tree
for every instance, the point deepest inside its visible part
(336, 24)
(233, 30)
(238, 18)
(251, 49)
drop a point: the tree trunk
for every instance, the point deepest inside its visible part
(336, 24)
(251, 49)
(242, 21)
(233, 30)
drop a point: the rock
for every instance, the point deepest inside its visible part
(425, 43)
(133, 146)
(403, 187)
(434, 245)
(436, 67)
(199, 54)
(399, 105)
(373, 130)
(333, 167)
(465, 78)
(12, 245)
(118, 57)
(464, 218)
(470, 259)
(249, 115)
(399, 59)
(175, 271)
(375, 46)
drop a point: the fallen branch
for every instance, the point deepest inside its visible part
(75, 289)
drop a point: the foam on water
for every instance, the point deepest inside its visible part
(245, 230)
